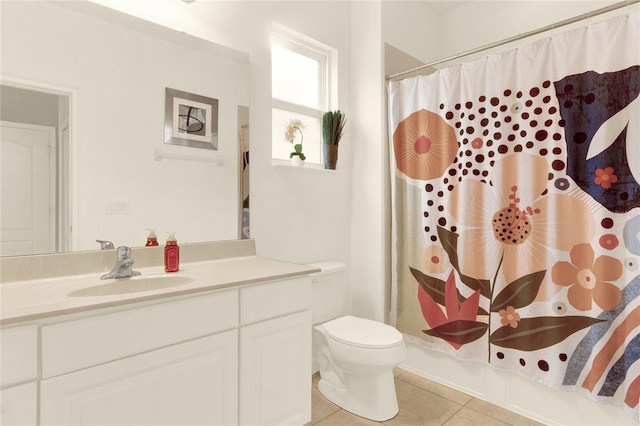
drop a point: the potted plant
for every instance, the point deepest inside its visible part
(297, 157)
(332, 128)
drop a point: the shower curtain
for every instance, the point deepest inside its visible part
(516, 210)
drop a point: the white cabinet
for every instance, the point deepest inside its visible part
(275, 371)
(192, 383)
(227, 357)
(275, 354)
(18, 374)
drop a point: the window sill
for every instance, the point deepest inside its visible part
(307, 166)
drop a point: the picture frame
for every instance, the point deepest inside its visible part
(190, 120)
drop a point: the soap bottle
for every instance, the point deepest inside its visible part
(171, 254)
(152, 240)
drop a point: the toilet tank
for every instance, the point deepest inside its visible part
(329, 291)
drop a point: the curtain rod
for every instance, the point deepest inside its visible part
(519, 36)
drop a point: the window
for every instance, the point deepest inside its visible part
(300, 90)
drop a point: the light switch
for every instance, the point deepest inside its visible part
(118, 207)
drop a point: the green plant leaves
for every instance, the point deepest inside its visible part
(519, 293)
(459, 332)
(449, 242)
(332, 127)
(435, 288)
(540, 332)
(297, 150)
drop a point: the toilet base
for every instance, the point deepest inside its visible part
(371, 397)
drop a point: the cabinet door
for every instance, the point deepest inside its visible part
(18, 354)
(275, 371)
(19, 405)
(186, 384)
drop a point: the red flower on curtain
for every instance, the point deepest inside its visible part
(454, 327)
(605, 177)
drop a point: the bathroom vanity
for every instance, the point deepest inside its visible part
(229, 344)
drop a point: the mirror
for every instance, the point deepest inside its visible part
(109, 174)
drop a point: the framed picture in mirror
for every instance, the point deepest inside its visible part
(190, 120)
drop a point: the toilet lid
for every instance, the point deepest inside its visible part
(362, 332)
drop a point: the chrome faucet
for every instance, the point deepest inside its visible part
(124, 265)
(105, 245)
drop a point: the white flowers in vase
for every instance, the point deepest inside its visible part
(290, 135)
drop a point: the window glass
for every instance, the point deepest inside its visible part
(294, 77)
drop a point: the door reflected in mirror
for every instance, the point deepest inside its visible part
(34, 146)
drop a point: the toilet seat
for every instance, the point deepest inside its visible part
(363, 333)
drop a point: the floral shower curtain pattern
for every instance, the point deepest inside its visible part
(516, 210)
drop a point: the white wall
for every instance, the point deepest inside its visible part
(367, 200)
(476, 24)
(117, 78)
(414, 26)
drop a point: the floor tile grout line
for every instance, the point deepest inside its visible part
(441, 396)
(451, 416)
(467, 403)
(328, 415)
(460, 406)
(489, 415)
(319, 420)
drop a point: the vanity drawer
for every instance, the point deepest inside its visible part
(19, 354)
(95, 340)
(275, 299)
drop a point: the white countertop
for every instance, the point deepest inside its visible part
(43, 298)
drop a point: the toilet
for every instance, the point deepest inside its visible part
(355, 356)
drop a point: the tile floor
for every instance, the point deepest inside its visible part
(422, 402)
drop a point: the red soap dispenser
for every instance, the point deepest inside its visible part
(171, 254)
(152, 240)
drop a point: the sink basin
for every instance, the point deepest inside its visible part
(135, 284)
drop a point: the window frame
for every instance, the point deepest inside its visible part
(324, 55)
